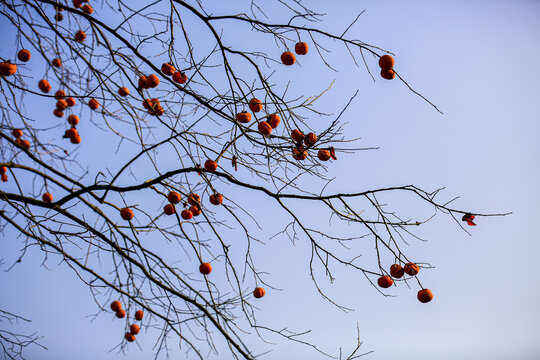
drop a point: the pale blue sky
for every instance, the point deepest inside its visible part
(476, 60)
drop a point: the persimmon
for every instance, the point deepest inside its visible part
(244, 117)
(48, 198)
(195, 210)
(3, 169)
(123, 91)
(80, 36)
(255, 105)
(77, 4)
(186, 214)
(156, 111)
(258, 292)
(71, 133)
(386, 62)
(194, 199)
(94, 104)
(76, 139)
(155, 108)
(129, 337)
(210, 165)
(58, 16)
(411, 269)
(425, 296)
(139, 315)
(297, 135)
(59, 94)
(152, 81)
(24, 55)
(126, 214)
(57, 63)
(7, 68)
(216, 199)
(469, 219)
(168, 69)
(121, 314)
(134, 329)
(273, 120)
(169, 209)
(151, 103)
(396, 271)
(44, 86)
(4, 177)
(385, 281)
(205, 268)
(174, 197)
(388, 74)
(116, 305)
(299, 153)
(58, 113)
(17, 133)
(70, 101)
(179, 77)
(323, 155)
(73, 120)
(310, 139)
(142, 82)
(24, 143)
(264, 128)
(288, 58)
(301, 48)
(87, 9)
(61, 105)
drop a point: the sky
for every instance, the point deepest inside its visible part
(475, 61)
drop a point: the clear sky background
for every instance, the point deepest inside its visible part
(477, 61)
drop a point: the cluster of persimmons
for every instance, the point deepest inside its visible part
(134, 329)
(397, 271)
(192, 207)
(17, 134)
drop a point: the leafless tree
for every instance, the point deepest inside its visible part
(155, 134)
